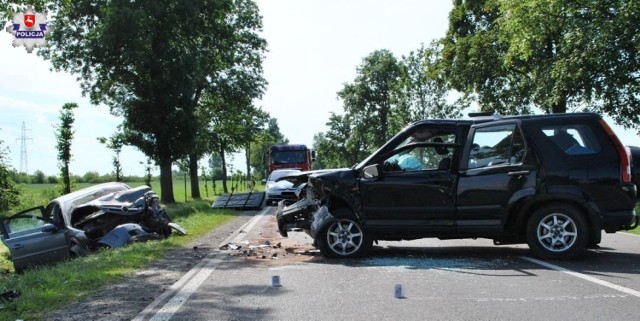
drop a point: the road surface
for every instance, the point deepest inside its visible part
(437, 280)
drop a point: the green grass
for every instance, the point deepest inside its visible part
(637, 229)
(46, 288)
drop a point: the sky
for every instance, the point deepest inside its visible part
(314, 49)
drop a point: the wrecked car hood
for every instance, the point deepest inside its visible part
(303, 177)
(280, 185)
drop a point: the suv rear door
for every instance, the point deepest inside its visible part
(497, 169)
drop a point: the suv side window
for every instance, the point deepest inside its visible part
(422, 157)
(573, 139)
(496, 145)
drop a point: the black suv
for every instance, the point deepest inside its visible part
(552, 181)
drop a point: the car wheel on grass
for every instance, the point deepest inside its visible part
(344, 238)
(557, 232)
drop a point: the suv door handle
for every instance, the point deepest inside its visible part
(519, 173)
(17, 246)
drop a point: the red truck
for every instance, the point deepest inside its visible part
(289, 156)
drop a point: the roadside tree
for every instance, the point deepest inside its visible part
(9, 191)
(64, 135)
(115, 143)
(558, 56)
(154, 80)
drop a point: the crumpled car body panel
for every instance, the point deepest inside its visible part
(124, 234)
(321, 188)
(77, 222)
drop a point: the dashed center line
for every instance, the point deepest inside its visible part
(583, 276)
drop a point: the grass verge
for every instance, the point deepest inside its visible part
(47, 288)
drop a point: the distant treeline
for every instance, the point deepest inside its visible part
(92, 177)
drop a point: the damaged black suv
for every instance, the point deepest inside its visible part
(551, 181)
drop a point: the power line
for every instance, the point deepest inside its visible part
(24, 162)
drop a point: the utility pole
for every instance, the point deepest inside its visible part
(24, 162)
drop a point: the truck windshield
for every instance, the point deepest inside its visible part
(287, 157)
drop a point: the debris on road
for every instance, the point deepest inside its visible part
(230, 246)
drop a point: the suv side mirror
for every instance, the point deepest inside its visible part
(370, 171)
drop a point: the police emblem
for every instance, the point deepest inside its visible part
(29, 29)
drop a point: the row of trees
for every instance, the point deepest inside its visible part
(93, 177)
(506, 56)
(186, 91)
(183, 75)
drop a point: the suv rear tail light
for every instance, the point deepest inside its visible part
(623, 152)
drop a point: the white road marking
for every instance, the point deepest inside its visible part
(583, 276)
(182, 290)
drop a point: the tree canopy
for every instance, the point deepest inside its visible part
(553, 55)
(152, 61)
(386, 95)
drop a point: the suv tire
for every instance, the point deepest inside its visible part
(344, 238)
(557, 231)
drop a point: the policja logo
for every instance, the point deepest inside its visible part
(29, 28)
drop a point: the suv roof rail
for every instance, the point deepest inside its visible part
(485, 114)
(480, 114)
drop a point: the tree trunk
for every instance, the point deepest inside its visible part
(560, 107)
(213, 181)
(224, 170)
(384, 123)
(248, 158)
(66, 179)
(193, 172)
(166, 181)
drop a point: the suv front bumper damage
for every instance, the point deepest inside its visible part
(304, 214)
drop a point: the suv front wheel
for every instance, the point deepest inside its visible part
(344, 238)
(557, 231)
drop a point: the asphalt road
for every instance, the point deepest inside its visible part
(440, 280)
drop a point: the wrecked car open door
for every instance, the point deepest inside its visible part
(33, 239)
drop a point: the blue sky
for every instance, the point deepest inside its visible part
(314, 48)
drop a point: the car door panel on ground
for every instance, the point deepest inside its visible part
(32, 239)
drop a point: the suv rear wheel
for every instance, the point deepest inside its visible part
(344, 238)
(557, 231)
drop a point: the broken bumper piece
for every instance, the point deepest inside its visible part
(305, 215)
(295, 216)
(125, 234)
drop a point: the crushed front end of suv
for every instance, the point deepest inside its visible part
(551, 181)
